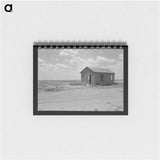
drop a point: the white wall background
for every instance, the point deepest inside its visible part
(88, 137)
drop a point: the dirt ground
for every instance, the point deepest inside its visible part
(99, 98)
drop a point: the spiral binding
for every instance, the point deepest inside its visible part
(80, 44)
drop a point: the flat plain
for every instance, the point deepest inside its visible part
(72, 96)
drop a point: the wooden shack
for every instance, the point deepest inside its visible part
(97, 76)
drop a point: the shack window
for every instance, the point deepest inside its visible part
(101, 77)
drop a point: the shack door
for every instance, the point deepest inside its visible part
(89, 79)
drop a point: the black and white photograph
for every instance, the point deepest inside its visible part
(81, 79)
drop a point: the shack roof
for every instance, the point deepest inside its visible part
(98, 70)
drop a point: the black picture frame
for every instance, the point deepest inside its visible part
(74, 45)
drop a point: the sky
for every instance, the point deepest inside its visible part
(66, 64)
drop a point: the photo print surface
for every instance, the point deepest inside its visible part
(79, 80)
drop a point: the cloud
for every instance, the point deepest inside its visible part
(41, 61)
(64, 66)
(114, 65)
(48, 67)
(68, 53)
(120, 57)
(100, 59)
(117, 68)
(42, 65)
(75, 60)
(80, 63)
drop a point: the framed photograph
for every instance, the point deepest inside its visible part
(80, 78)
